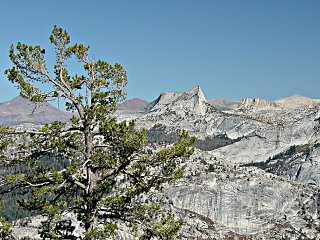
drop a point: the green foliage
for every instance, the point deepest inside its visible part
(105, 177)
(5, 230)
(108, 229)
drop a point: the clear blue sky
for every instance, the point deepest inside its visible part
(232, 49)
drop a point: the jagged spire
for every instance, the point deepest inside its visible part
(197, 90)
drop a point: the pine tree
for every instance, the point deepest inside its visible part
(94, 167)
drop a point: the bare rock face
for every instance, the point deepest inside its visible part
(221, 201)
(251, 187)
(180, 102)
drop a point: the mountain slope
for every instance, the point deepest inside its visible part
(223, 103)
(298, 101)
(19, 110)
(133, 104)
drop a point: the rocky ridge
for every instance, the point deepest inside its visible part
(257, 103)
(250, 188)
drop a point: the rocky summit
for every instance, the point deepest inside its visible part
(255, 173)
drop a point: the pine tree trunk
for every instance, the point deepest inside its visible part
(91, 181)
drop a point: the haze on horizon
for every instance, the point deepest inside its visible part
(232, 49)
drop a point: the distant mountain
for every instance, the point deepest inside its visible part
(133, 104)
(298, 101)
(223, 103)
(293, 102)
(19, 110)
(180, 102)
